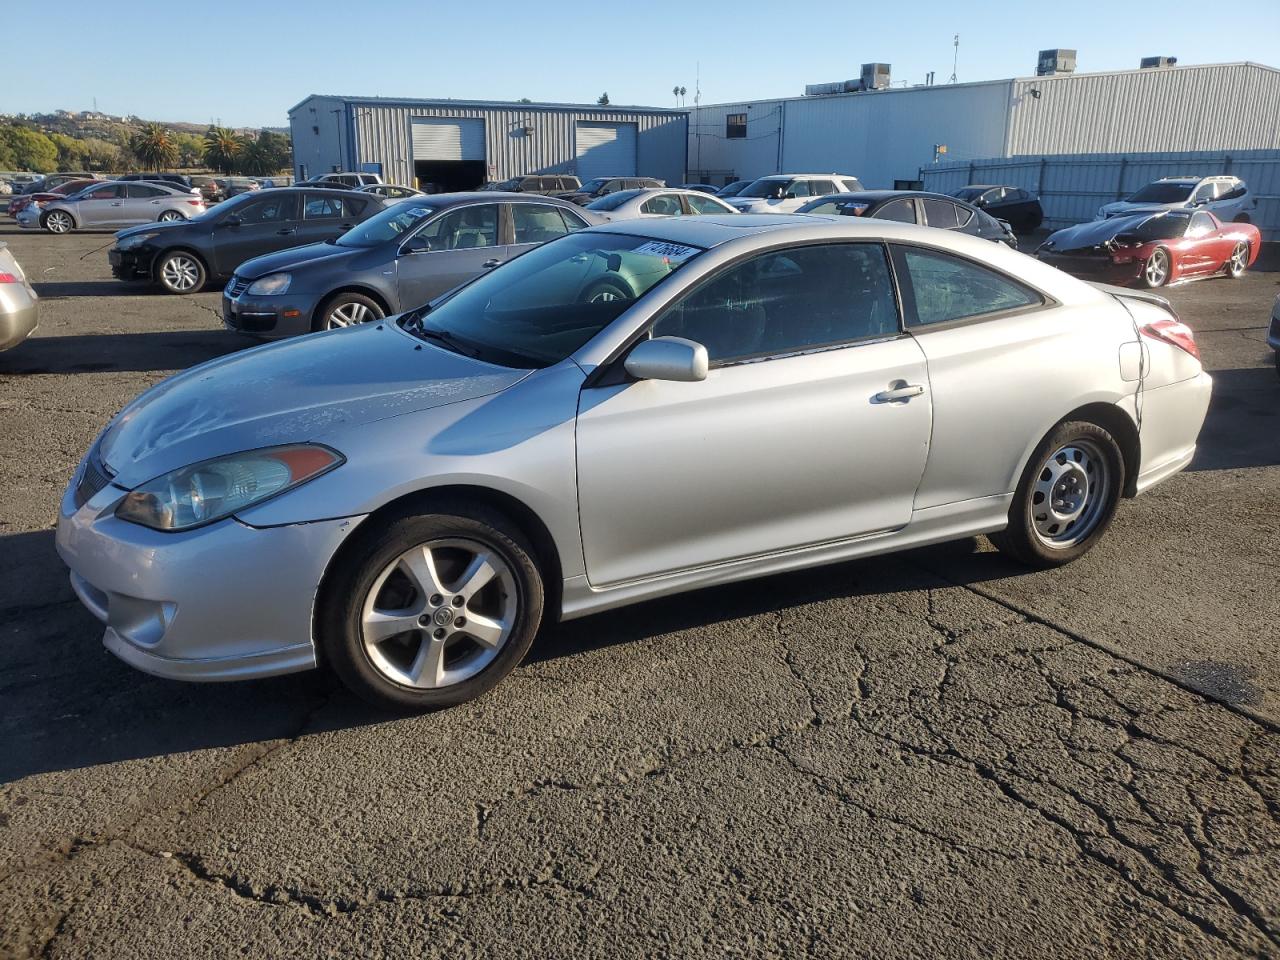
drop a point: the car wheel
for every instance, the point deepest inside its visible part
(431, 610)
(170, 216)
(59, 221)
(1238, 262)
(604, 291)
(1242, 218)
(1066, 497)
(1155, 272)
(347, 310)
(181, 272)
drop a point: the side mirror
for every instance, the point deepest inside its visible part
(981, 202)
(232, 220)
(416, 244)
(667, 358)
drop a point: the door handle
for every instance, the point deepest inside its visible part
(286, 231)
(490, 264)
(117, 203)
(899, 391)
(346, 226)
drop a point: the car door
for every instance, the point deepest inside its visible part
(325, 217)
(532, 224)
(265, 224)
(142, 203)
(902, 210)
(1203, 249)
(101, 207)
(452, 248)
(795, 438)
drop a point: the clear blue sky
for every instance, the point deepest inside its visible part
(247, 63)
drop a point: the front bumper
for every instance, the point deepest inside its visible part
(271, 317)
(1100, 269)
(17, 321)
(130, 264)
(222, 602)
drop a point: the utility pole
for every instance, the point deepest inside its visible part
(956, 58)
(697, 98)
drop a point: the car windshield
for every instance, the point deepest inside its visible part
(765, 188)
(544, 305)
(1163, 193)
(733, 189)
(591, 186)
(393, 222)
(1165, 226)
(612, 201)
(969, 193)
(503, 185)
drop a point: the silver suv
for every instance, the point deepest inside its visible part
(1228, 198)
(353, 180)
(788, 192)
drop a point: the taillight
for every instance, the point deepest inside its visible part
(1174, 332)
(8, 278)
(196, 203)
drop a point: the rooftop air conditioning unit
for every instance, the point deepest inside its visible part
(1149, 62)
(875, 76)
(1056, 61)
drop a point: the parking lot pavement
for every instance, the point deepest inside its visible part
(934, 754)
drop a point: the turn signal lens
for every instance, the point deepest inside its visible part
(1173, 332)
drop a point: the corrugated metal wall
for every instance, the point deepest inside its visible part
(314, 126)
(382, 135)
(1231, 106)
(1072, 188)
(740, 159)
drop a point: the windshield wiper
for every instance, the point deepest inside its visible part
(448, 339)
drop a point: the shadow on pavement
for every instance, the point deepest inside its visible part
(52, 289)
(162, 350)
(1243, 425)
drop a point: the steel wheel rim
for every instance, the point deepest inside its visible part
(1070, 495)
(180, 273)
(58, 222)
(1156, 269)
(1239, 259)
(349, 314)
(439, 613)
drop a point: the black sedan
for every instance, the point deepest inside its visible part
(914, 206)
(1019, 207)
(182, 257)
(405, 256)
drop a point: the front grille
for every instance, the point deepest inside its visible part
(237, 286)
(93, 479)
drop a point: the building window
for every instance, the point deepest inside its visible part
(735, 126)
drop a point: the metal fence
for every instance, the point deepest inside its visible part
(1072, 187)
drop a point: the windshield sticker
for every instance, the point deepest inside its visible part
(674, 252)
(419, 211)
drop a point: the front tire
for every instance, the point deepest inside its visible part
(181, 272)
(1155, 272)
(1066, 498)
(59, 221)
(430, 610)
(347, 310)
(1238, 262)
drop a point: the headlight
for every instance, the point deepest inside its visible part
(128, 243)
(213, 489)
(271, 283)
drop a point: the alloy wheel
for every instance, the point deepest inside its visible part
(348, 314)
(1157, 269)
(59, 222)
(169, 216)
(439, 613)
(1071, 494)
(1239, 260)
(180, 273)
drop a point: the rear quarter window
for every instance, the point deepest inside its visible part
(942, 288)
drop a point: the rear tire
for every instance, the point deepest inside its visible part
(381, 583)
(347, 310)
(1066, 498)
(180, 272)
(170, 216)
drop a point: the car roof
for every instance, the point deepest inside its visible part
(797, 176)
(877, 195)
(488, 196)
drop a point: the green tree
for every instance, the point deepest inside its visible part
(190, 149)
(603, 99)
(154, 146)
(268, 153)
(70, 151)
(102, 154)
(222, 149)
(28, 149)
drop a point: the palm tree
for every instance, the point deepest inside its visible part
(154, 146)
(222, 148)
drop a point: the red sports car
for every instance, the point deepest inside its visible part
(1153, 249)
(19, 203)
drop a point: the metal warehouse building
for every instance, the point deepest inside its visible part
(885, 135)
(459, 144)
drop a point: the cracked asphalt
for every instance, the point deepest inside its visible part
(932, 754)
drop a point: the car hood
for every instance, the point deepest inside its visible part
(1090, 234)
(290, 392)
(295, 257)
(1125, 208)
(155, 227)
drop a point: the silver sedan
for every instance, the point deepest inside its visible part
(113, 205)
(664, 202)
(632, 410)
(19, 307)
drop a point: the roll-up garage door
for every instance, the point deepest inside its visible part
(448, 138)
(605, 149)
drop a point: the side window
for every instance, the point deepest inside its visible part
(1201, 224)
(572, 221)
(963, 215)
(139, 191)
(820, 188)
(1203, 192)
(852, 185)
(827, 208)
(945, 288)
(354, 205)
(465, 229)
(797, 188)
(112, 191)
(788, 301)
(700, 204)
(271, 209)
(536, 223)
(663, 205)
(323, 208)
(899, 210)
(940, 213)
